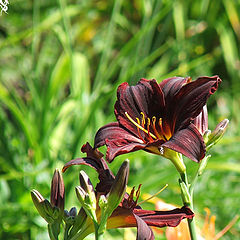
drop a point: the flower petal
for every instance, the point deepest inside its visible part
(189, 142)
(144, 232)
(171, 86)
(146, 97)
(201, 121)
(95, 160)
(169, 218)
(123, 217)
(189, 101)
(121, 146)
(82, 161)
(118, 140)
(111, 132)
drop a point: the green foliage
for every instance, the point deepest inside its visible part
(61, 63)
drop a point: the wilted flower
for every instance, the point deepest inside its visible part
(158, 118)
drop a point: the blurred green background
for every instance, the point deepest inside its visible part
(60, 65)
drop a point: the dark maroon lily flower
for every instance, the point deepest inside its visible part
(158, 118)
(128, 213)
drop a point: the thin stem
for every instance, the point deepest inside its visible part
(96, 227)
(191, 222)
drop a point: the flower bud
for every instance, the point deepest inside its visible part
(43, 206)
(88, 188)
(81, 194)
(118, 188)
(69, 217)
(217, 133)
(102, 202)
(86, 195)
(73, 212)
(57, 190)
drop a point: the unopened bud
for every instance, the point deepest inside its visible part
(43, 206)
(102, 202)
(217, 133)
(73, 212)
(87, 186)
(57, 190)
(87, 201)
(69, 217)
(81, 194)
(118, 188)
(206, 135)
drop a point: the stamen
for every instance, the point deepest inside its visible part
(140, 127)
(139, 134)
(138, 193)
(189, 79)
(154, 127)
(153, 196)
(161, 128)
(148, 124)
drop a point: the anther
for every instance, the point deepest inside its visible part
(160, 124)
(143, 119)
(139, 134)
(148, 124)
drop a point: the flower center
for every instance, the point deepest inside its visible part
(128, 202)
(149, 127)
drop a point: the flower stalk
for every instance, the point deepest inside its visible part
(187, 199)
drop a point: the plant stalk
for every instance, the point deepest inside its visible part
(191, 222)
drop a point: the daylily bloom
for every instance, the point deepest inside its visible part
(127, 213)
(158, 118)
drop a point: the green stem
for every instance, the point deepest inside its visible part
(191, 222)
(96, 227)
